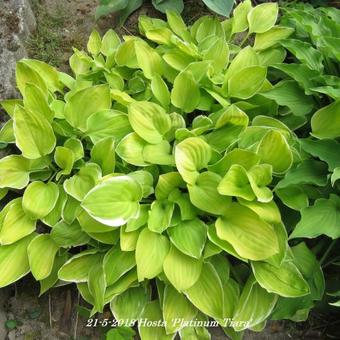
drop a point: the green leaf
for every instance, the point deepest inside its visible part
(207, 293)
(129, 304)
(77, 268)
(14, 172)
(285, 281)
(255, 305)
(165, 5)
(114, 201)
(151, 251)
(83, 103)
(149, 121)
(33, 133)
(192, 155)
(305, 53)
(185, 93)
(14, 261)
(274, 150)
(326, 121)
(181, 270)
(307, 172)
(41, 253)
(262, 17)
(189, 237)
(251, 237)
(108, 123)
(221, 7)
(247, 82)
(97, 286)
(39, 199)
(289, 93)
(320, 219)
(293, 197)
(116, 263)
(16, 224)
(152, 312)
(177, 310)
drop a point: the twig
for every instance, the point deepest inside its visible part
(324, 256)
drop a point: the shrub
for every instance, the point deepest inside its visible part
(164, 177)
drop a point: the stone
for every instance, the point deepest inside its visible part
(17, 22)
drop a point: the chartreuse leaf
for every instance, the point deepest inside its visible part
(145, 180)
(131, 149)
(33, 133)
(167, 183)
(76, 146)
(177, 309)
(116, 263)
(41, 253)
(36, 100)
(77, 268)
(262, 17)
(83, 103)
(326, 121)
(181, 270)
(80, 184)
(271, 37)
(39, 199)
(108, 123)
(94, 43)
(285, 281)
(64, 158)
(247, 82)
(152, 312)
(320, 219)
(16, 224)
(254, 306)
(103, 154)
(151, 251)
(90, 225)
(207, 293)
(129, 304)
(240, 22)
(68, 235)
(97, 286)
(149, 121)
(192, 155)
(185, 93)
(274, 149)
(160, 90)
(26, 74)
(177, 24)
(160, 215)
(110, 42)
(114, 201)
(128, 240)
(7, 132)
(189, 237)
(250, 236)
(14, 261)
(14, 172)
(205, 196)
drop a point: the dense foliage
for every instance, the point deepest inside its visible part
(124, 8)
(165, 176)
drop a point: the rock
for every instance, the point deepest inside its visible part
(17, 21)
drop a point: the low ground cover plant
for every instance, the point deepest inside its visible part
(180, 174)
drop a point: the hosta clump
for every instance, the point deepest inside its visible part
(157, 174)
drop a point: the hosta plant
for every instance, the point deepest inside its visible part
(164, 177)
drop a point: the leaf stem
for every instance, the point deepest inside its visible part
(325, 254)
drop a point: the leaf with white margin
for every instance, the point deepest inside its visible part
(149, 121)
(14, 261)
(251, 237)
(181, 270)
(39, 199)
(115, 201)
(192, 155)
(41, 253)
(151, 251)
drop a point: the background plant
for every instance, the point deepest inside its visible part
(165, 176)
